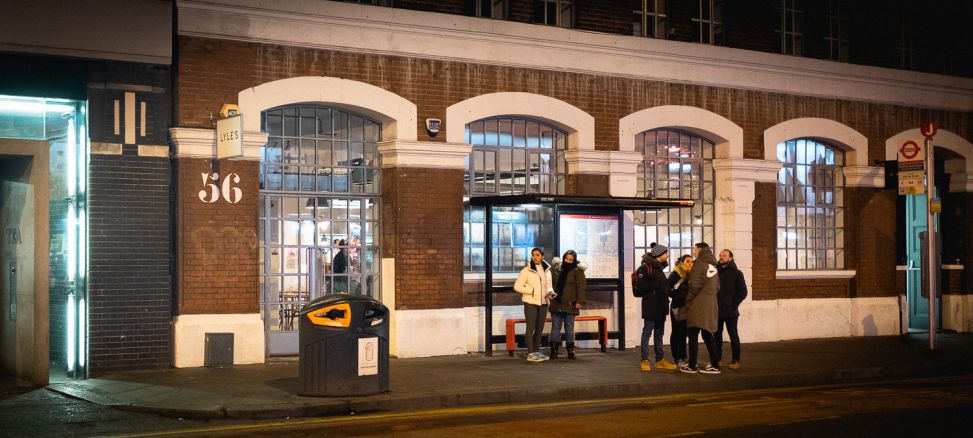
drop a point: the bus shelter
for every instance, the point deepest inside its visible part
(590, 225)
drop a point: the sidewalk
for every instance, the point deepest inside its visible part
(271, 390)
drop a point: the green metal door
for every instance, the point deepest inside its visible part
(916, 223)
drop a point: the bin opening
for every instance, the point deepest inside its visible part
(332, 316)
(374, 316)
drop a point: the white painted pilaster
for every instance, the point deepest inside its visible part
(425, 154)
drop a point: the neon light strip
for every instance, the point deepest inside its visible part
(82, 239)
(82, 329)
(71, 331)
(71, 223)
(72, 154)
(22, 106)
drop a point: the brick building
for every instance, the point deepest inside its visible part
(777, 129)
(773, 116)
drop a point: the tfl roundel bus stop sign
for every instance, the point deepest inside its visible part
(912, 158)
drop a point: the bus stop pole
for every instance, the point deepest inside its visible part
(488, 260)
(931, 241)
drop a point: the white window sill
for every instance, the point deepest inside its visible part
(952, 267)
(796, 275)
(468, 276)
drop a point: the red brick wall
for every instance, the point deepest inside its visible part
(217, 252)
(422, 220)
(588, 185)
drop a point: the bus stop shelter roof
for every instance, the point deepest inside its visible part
(623, 203)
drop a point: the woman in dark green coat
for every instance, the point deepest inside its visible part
(569, 285)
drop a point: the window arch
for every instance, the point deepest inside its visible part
(511, 156)
(676, 164)
(810, 206)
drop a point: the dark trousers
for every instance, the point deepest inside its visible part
(694, 347)
(648, 327)
(731, 328)
(536, 316)
(677, 339)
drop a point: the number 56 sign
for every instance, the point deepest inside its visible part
(211, 192)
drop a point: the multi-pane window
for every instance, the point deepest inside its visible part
(490, 9)
(810, 203)
(511, 156)
(790, 28)
(675, 165)
(320, 149)
(319, 208)
(650, 19)
(709, 22)
(905, 47)
(837, 37)
(554, 12)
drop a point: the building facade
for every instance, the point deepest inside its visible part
(783, 154)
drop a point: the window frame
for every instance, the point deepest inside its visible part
(791, 37)
(709, 22)
(647, 15)
(838, 27)
(545, 8)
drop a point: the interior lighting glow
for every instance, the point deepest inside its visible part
(21, 105)
(72, 154)
(82, 238)
(82, 328)
(83, 158)
(72, 242)
(71, 332)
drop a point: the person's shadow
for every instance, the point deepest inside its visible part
(869, 328)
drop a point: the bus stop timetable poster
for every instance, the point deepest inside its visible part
(595, 239)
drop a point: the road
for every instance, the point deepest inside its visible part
(922, 407)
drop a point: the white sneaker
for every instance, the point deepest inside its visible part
(532, 357)
(542, 357)
(710, 370)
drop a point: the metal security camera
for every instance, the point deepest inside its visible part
(432, 125)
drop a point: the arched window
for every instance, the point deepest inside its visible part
(678, 165)
(511, 156)
(319, 209)
(810, 200)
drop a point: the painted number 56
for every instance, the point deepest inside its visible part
(211, 191)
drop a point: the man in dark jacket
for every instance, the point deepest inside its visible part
(652, 286)
(733, 290)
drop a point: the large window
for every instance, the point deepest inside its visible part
(837, 38)
(650, 19)
(490, 8)
(319, 208)
(709, 22)
(675, 165)
(810, 206)
(905, 47)
(790, 28)
(511, 156)
(554, 12)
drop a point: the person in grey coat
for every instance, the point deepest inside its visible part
(702, 308)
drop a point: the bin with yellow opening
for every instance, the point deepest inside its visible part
(344, 346)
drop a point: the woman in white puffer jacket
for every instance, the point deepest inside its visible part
(536, 289)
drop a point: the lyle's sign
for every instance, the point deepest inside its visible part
(229, 137)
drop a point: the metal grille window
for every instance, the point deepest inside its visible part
(810, 201)
(791, 28)
(675, 164)
(709, 22)
(837, 38)
(650, 19)
(491, 9)
(511, 156)
(319, 208)
(554, 12)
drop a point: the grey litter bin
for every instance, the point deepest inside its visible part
(344, 346)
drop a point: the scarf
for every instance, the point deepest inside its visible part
(562, 278)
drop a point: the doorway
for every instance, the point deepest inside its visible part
(916, 222)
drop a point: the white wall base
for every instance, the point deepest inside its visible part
(190, 337)
(769, 321)
(958, 313)
(434, 332)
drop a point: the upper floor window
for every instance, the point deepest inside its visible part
(513, 156)
(490, 8)
(837, 37)
(554, 12)
(370, 2)
(810, 205)
(791, 28)
(709, 22)
(905, 47)
(650, 19)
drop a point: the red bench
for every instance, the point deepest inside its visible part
(602, 331)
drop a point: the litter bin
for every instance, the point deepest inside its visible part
(344, 346)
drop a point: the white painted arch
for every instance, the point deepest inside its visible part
(579, 125)
(725, 135)
(943, 139)
(397, 115)
(834, 133)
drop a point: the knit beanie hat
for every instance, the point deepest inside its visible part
(657, 250)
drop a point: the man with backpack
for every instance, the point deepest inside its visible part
(651, 285)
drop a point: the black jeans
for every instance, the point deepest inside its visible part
(677, 339)
(731, 328)
(694, 347)
(536, 317)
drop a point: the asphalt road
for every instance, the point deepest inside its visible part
(923, 407)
